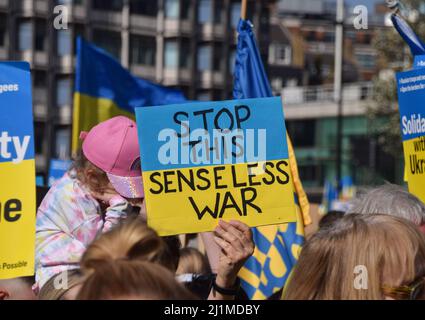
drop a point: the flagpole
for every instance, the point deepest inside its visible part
(243, 9)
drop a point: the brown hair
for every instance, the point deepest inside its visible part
(192, 261)
(132, 240)
(88, 174)
(392, 250)
(123, 279)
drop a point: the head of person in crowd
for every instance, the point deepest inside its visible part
(131, 280)
(113, 168)
(393, 200)
(192, 261)
(132, 240)
(63, 286)
(328, 219)
(365, 257)
(17, 289)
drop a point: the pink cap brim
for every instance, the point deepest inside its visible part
(128, 187)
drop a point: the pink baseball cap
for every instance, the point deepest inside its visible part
(113, 147)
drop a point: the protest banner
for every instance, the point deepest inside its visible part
(215, 160)
(17, 172)
(411, 97)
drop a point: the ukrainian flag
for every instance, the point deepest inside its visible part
(104, 89)
(277, 247)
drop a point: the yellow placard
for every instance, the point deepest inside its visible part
(414, 155)
(17, 219)
(191, 200)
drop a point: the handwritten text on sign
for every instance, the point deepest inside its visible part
(204, 161)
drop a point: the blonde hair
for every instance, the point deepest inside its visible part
(132, 240)
(88, 174)
(392, 250)
(192, 261)
(132, 280)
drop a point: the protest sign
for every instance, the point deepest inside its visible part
(17, 172)
(419, 62)
(215, 160)
(411, 97)
(57, 169)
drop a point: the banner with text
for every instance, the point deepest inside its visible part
(17, 172)
(411, 97)
(204, 161)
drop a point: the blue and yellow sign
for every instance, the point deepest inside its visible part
(215, 160)
(17, 172)
(411, 97)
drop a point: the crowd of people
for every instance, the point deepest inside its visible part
(93, 242)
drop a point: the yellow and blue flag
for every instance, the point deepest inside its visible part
(277, 247)
(104, 89)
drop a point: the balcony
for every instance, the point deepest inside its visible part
(41, 59)
(64, 115)
(106, 18)
(318, 101)
(66, 63)
(173, 27)
(29, 7)
(143, 71)
(143, 22)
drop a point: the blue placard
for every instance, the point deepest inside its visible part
(57, 169)
(211, 133)
(411, 97)
(419, 62)
(16, 125)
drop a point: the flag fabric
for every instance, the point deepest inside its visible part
(417, 47)
(277, 247)
(104, 89)
(330, 195)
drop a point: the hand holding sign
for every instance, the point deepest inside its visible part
(236, 243)
(205, 161)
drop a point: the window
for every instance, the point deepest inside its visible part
(280, 54)
(108, 40)
(40, 35)
(25, 31)
(204, 58)
(204, 11)
(110, 5)
(367, 61)
(235, 14)
(38, 137)
(232, 58)
(172, 8)
(78, 31)
(62, 143)
(302, 132)
(185, 53)
(218, 12)
(40, 79)
(143, 50)
(144, 7)
(203, 96)
(217, 57)
(185, 9)
(63, 42)
(171, 54)
(3, 29)
(63, 92)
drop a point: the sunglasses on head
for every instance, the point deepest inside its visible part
(408, 292)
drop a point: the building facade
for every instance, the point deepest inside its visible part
(310, 110)
(187, 44)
